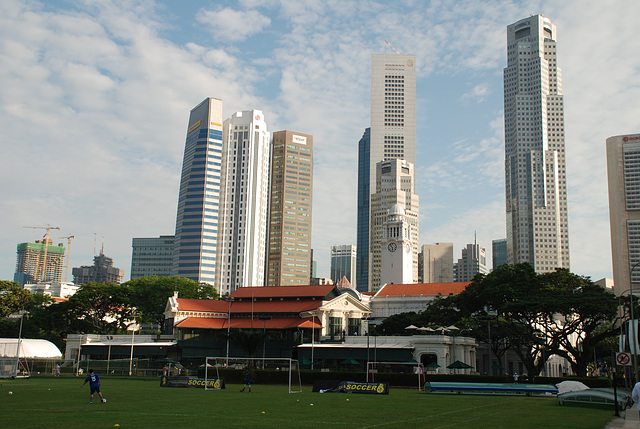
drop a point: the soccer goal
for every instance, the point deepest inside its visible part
(374, 368)
(289, 366)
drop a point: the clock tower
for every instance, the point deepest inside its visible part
(397, 256)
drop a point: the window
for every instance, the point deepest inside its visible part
(335, 326)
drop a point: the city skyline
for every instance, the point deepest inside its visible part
(95, 96)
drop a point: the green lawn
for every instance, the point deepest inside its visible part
(141, 403)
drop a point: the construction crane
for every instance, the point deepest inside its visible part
(66, 265)
(46, 246)
(391, 46)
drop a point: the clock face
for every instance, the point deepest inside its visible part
(407, 247)
(392, 247)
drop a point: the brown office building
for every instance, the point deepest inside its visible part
(289, 234)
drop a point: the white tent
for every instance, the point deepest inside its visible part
(29, 348)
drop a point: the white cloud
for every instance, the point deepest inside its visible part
(478, 93)
(232, 25)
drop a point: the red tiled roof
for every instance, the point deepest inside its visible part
(247, 323)
(283, 291)
(186, 304)
(417, 289)
(276, 306)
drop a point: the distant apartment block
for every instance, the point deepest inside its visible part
(437, 263)
(289, 233)
(102, 271)
(39, 262)
(152, 256)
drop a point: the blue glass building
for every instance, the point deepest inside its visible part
(364, 199)
(194, 255)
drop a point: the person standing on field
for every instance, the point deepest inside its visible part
(94, 383)
(247, 381)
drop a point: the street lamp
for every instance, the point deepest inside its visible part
(229, 299)
(133, 334)
(15, 373)
(109, 338)
(79, 353)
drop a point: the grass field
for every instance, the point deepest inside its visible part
(141, 403)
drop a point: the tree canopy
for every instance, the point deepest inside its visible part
(535, 315)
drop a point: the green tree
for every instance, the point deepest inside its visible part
(149, 295)
(105, 307)
(577, 308)
(13, 298)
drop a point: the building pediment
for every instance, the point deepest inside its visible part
(345, 303)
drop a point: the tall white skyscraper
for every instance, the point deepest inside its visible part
(393, 110)
(195, 253)
(535, 168)
(392, 136)
(244, 202)
(395, 185)
(623, 171)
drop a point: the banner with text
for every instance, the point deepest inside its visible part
(212, 383)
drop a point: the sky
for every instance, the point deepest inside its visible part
(95, 97)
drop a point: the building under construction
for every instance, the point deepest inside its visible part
(39, 262)
(102, 271)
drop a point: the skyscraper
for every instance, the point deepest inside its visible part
(623, 171)
(535, 169)
(343, 263)
(499, 252)
(289, 246)
(395, 184)
(392, 136)
(244, 199)
(437, 263)
(364, 201)
(151, 256)
(473, 261)
(393, 110)
(195, 253)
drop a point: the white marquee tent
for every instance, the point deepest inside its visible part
(29, 348)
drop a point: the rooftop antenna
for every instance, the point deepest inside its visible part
(391, 46)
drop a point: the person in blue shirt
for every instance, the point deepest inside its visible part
(247, 381)
(94, 383)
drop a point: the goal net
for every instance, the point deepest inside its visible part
(374, 368)
(288, 368)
